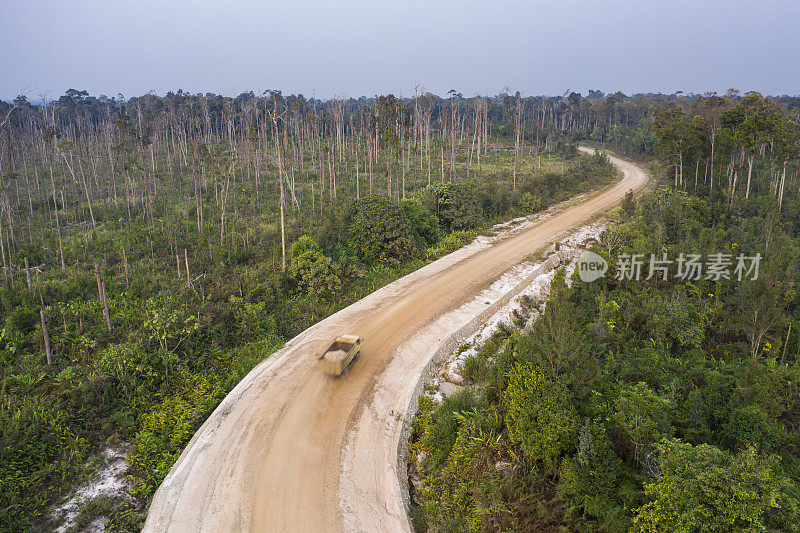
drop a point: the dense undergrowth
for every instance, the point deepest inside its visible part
(646, 405)
(174, 351)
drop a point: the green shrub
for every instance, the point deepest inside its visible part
(379, 230)
(451, 243)
(316, 274)
(122, 515)
(38, 449)
(442, 428)
(474, 368)
(456, 206)
(540, 415)
(164, 430)
(750, 425)
(593, 472)
(702, 488)
(424, 225)
(254, 321)
(302, 245)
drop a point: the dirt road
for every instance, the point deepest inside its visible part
(290, 449)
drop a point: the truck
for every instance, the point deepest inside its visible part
(340, 354)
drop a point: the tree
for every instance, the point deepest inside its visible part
(758, 122)
(379, 230)
(19, 101)
(540, 415)
(456, 206)
(628, 205)
(786, 140)
(279, 163)
(559, 344)
(711, 108)
(302, 245)
(50, 134)
(316, 274)
(424, 225)
(750, 425)
(704, 489)
(760, 305)
(642, 415)
(221, 164)
(676, 133)
(594, 470)
(518, 113)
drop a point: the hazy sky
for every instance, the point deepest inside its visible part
(368, 47)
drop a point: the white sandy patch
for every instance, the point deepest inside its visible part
(537, 291)
(107, 481)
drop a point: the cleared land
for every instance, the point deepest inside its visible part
(290, 448)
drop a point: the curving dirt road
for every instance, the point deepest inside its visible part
(290, 449)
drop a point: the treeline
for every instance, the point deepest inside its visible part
(730, 135)
(660, 404)
(92, 161)
(144, 269)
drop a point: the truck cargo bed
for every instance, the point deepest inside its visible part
(340, 354)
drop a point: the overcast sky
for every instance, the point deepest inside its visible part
(368, 47)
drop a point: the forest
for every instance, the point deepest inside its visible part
(154, 250)
(660, 404)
